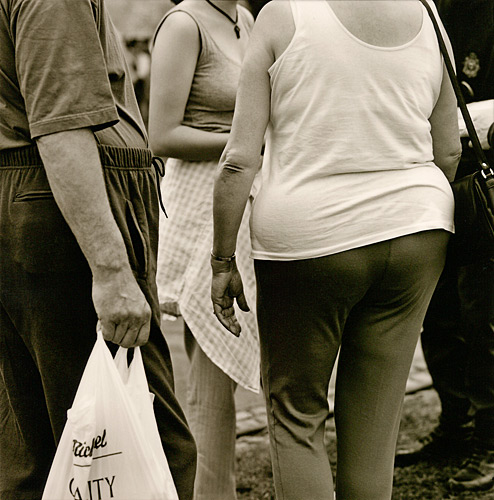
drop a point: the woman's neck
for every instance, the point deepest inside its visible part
(227, 6)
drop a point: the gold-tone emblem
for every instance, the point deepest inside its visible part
(471, 65)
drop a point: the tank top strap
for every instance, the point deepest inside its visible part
(304, 14)
(204, 37)
(245, 21)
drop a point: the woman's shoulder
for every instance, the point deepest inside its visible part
(186, 13)
(275, 24)
(276, 17)
(183, 10)
(182, 26)
(275, 8)
(246, 15)
(183, 17)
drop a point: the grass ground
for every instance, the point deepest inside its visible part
(423, 481)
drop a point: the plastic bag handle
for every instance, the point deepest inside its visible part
(99, 331)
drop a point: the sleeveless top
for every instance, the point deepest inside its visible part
(212, 94)
(348, 159)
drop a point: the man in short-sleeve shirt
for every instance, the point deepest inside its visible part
(63, 68)
(78, 233)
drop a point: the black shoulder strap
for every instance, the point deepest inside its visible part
(479, 152)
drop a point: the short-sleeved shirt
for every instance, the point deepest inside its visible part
(62, 67)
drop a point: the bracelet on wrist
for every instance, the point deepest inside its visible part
(217, 258)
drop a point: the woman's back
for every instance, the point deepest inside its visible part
(364, 106)
(357, 112)
(351, 97)
(382, 23)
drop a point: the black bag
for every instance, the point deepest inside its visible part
(474, 219)
(474, 193)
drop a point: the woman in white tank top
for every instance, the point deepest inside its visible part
(349, 229)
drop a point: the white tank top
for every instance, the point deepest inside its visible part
(348, 159)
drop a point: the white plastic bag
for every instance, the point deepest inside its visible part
(110, 447)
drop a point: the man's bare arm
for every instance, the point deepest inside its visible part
(74, 171)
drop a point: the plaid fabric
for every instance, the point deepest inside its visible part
(184, 272)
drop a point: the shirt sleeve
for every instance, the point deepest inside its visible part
(61, 66)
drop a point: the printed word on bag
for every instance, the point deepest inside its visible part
(110, 447)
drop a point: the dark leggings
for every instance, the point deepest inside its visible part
(369, 304)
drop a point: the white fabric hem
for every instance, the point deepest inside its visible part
(350, 245)
(212, 354)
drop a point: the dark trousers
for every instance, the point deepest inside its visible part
(47, 319)
(458, 340)
(368, 304)
(458, 344)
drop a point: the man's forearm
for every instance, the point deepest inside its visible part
(74, 171)
(482, 114)
(73, 168)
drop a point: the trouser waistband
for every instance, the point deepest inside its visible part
(111, 156)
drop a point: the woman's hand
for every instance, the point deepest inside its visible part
(226, 287)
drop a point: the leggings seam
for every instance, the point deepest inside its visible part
(275, 422)
(387, 260)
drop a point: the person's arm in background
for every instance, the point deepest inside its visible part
(74, 171)
(240, 160)
(173, 64)
(482, 114)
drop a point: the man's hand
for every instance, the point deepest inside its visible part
(123, 312)
(226, 287)
(74, 171)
